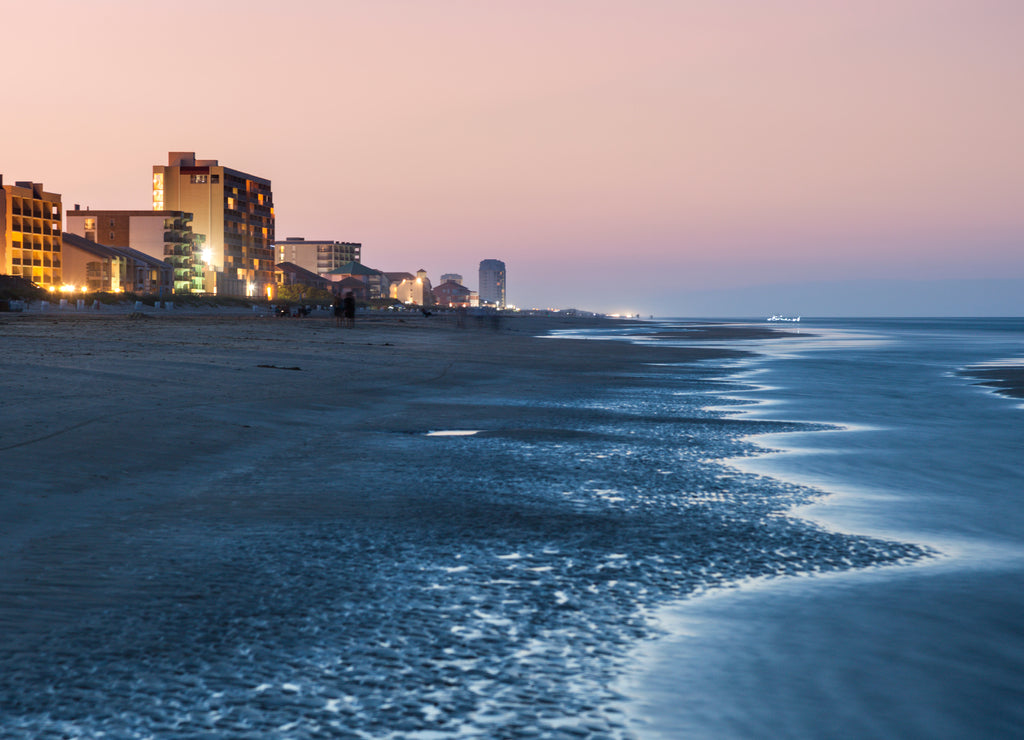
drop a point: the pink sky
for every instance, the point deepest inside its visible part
(616, 155)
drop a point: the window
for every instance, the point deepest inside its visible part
(215, 179)
(197, 179)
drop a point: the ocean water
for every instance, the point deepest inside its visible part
(925, 456)
(819, 539)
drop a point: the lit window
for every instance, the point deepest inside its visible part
(198, 179)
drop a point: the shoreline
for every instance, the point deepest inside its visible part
(190, 516)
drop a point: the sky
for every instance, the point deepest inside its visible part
(665, 157)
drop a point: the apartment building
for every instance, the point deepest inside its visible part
(164, 235)
(233, 209)
(30, 233)
(317, 255)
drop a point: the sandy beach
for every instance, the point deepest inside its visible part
(221, 525)
(110, 412)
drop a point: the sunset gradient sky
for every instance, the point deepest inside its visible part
(674, 157)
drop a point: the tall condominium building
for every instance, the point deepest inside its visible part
(492, 283)
(165, 235)
(233, 209)
(30, 233)
(317, 255)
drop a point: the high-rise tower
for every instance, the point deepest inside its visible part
(233, 209)
(492, 283)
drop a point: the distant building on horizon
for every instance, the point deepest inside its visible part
(31, 222)
(451, 277)
(317, 255)
(164, 235)
(451, 294)
(235, 210)
(492, 283)
(374, 282)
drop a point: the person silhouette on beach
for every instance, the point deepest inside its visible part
(339, 310)
(350, 309)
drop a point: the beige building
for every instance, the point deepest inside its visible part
(30, 233)
(234, 210)
(414, 290)
(317, 255)
(164, 235)
(91, 266)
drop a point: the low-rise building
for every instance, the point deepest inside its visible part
(99, 267)
(414, 290)
(165, 235)
(287, 273)
(359, 290)
(375, 281)
(451, 294)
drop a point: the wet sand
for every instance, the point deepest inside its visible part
(1008, 381)
(234, 526)
(111, 413)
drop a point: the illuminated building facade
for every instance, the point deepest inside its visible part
(165, 235)
(492, 283)
(91, 266)
(320, 256)
(30, 233)
(414, 290)
(234, 210)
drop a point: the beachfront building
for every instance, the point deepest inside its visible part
(414, 290)
(288, 273)
(451, 294)
(374, 282)
(234, 210)
(492, 283)
(30, 233)
(165, 235)
(359, 290)
(93, 267)
(317, 255)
